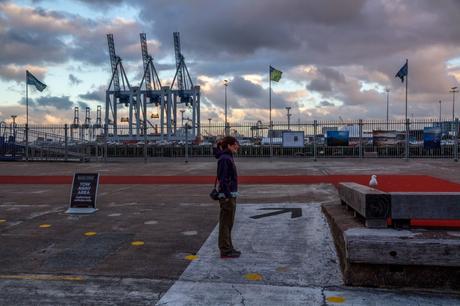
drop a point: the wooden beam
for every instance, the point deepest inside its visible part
(372, 204)
(401, 247)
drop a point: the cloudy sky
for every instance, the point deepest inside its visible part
(337, 56)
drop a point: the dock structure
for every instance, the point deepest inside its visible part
(150, 93)
(387, 239)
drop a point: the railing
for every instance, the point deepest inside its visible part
(421, 138)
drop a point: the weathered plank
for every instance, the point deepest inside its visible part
(425, 205)
(370, 203)
(389, 246)
(388, 275)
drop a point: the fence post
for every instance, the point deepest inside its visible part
(186, 142)
(27, 142)
(270, 132)
(456, 140)
(106, 138)
(66, 142)
(360, 148)
(406, 153)
(145, 141)
(315, 130)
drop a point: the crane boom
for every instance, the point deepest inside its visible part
(113, 61)
(179, 59)
(145, 59)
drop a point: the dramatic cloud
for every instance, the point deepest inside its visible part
(102, 3)
(18, 73)
(337, 57)
(73, 80)
(326, 103)
(319, 85)
(43, 37)
(59, 103)
(246, 89)
(97, 95)
(83, 105)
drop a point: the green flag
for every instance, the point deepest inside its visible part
(275, 75)
(32, 80)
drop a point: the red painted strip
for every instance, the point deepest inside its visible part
(387, 183)
(435, 223)
(38, 180)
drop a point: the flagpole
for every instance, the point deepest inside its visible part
(407, 123)
(270, 112)
(27, 119)
(407, 81)
(27, 103)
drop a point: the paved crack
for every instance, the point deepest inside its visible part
(242, 297)
(323, 296)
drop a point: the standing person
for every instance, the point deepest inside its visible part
(228, 191)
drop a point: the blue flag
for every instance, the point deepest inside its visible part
(31, 80)
(402, 72)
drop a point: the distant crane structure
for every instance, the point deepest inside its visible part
(123, 94)
(150, 92)
(98, 123)
(87, 130)
(185, 92)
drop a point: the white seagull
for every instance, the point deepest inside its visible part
(373, 181)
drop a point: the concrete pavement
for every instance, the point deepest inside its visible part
(61, 264)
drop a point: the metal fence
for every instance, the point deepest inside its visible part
(420, 138)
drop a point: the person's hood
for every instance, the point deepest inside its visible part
(219, 152)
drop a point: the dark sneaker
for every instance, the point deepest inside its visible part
(236, 251)
(230, 254)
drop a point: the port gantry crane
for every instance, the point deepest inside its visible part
(152, 92)
(185, 92)
(120, 94)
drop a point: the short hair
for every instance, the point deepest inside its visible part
(227, 141)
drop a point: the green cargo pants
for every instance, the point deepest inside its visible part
(226, 219)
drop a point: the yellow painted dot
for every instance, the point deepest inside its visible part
(2, 221)
(253, 277)
(335, 299)
(137, 243)
(45, 225)
(90, 234)
(192, 257)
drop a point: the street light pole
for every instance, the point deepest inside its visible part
(453, 91)
(288, 108)
(226, 128)
(388, 103)
(440, 102)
